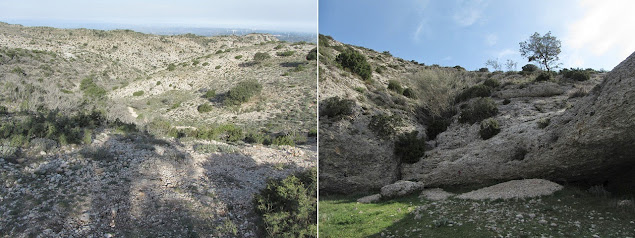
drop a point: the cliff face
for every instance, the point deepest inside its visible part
(594, 141)
(562, 130)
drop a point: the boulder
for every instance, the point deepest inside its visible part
(400, 188)
(370, 198)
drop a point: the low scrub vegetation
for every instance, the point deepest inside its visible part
(409, 147)
(312, 55)
(395, 86)
(138, 93)
(205, 107)
(544, 76)
(288, 207)
(473, 92)
(261, 56)
(285, 53)
(576, 74)
(91, 89)
(355, 62)
(478, 110)
(242, 92)
(489, 128)
(383, 125)
(336, 108)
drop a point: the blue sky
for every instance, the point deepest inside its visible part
(594, 34)
(277, 15)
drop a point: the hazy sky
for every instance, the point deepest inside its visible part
(594, 34)
(283, 15)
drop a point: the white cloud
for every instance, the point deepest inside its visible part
(506, 53)
(491, 39)
(605, 28)
(469, 12)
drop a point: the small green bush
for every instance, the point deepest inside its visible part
(138, 93)
(91, 89)
(312, 55)
(217, 67)
(356, 62)
(437, 124)
(3, 110)
(288, 207)
(459, 68)
(210, 94)
(279, 46)
(238, 57)
(478, 110)
(205, 107)
(323, 41)
(492, 83)
(313, 132)
(205, 64)
(261, 56)
(283, 140)
(576, 74)
(394, 85)
(242, 92)
(506, 101)
(285, 53)
(530, 68)
(334, 107)
(484, 70)
(383, 125)
(473, 92)
(489, 128)
(409, 148)
(544, 76)
(171, 67)
(543, 122)
(409, 93)
(158, 83)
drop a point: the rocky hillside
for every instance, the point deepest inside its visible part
(124, 134)
(448, 126)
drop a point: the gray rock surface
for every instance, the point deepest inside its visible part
(400, 188)
(592, 140)
(370, 198)
(526, 188)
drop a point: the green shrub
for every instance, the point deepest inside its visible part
(484, 70)
(506, 101)
(219, 52)
(409, 93)
(459, 68)
(279, 46)
(261, 56)
(473, 92)
(544, 76)
(257, 137)
(210, 94)
(478, 110)
(288, 207)
(576, 74)
(242, 92)
(283, 140)
(312, 55)
(3, 110)
(394, 85)
(285, 53)
(138, 93)
(88, 137)
(489, 128)
(313, 132)
(323, 41)
(158, 83)
(383, 125)
(356, 62)
(437, 124)
(205, 107)
(171, 67)
(238, 57)
(409, 148)
(217, 67)
(334, 107)
(492, 83)
(91, 89)
(530, 68)
(543, 122)
(205, 64)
